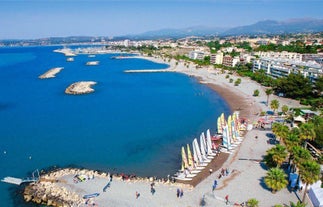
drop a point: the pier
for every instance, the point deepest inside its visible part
(18, 181)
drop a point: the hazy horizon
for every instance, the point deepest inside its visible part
(32, 19)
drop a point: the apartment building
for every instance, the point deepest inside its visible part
(216, 58)
(196, 55)
(230, 61)
(277, 68)
(283, 55)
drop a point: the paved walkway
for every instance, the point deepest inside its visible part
(246, 181)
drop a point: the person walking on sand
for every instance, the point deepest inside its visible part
(137, 195)
(227, 199)
(178, 192)
(181, 193)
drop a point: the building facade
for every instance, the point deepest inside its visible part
(278, 68)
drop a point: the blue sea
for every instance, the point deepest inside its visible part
(133, 123)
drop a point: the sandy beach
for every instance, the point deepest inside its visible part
(246, 172)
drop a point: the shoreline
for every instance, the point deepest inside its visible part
(239, 98)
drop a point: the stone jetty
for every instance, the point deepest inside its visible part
(51, 73)
(66, 187)
(81, 87)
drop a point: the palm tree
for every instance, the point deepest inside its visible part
(298, 204)
(280, 130)
(275, 156)
(276, 179)
(309, 172)
(299, 155)
(268, 92)
(284, 109)
(252, 202)
(274, 105)
(307, 132)
(291, 140)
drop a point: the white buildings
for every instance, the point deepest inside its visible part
(278, 67)
(196, 55)
(230, 61)
(216, 58)
(283, 55)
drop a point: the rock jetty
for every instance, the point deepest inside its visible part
(51, 73)
(49, 190)
(67, 186)
(81, 87)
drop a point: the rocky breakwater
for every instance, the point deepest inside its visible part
(49, 190)
(51, 73)
(81, 87)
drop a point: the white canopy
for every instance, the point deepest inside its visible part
(300, 119)
(316, 194)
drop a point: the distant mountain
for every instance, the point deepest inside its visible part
(276, 27)
(262, 27)
(179, 33)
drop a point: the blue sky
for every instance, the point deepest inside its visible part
(48, 18)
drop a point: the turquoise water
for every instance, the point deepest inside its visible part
(132, 123)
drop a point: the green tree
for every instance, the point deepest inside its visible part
(237, 82)
(280, 130)
(319, 85)
(274, 105)
(307, 132)
(300, 155)
(268, 92)
(309, 172)
(284, 109)
(291, 140)
(294, 86)
(276, 179)
(256, 92)
(252, 202)
(298, 204)
(275, 156)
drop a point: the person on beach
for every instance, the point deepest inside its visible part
(227, 199)
(178, 192)
(181, 193)
(152, 190)
(111, 177)
(214, 185)
(137, 195)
